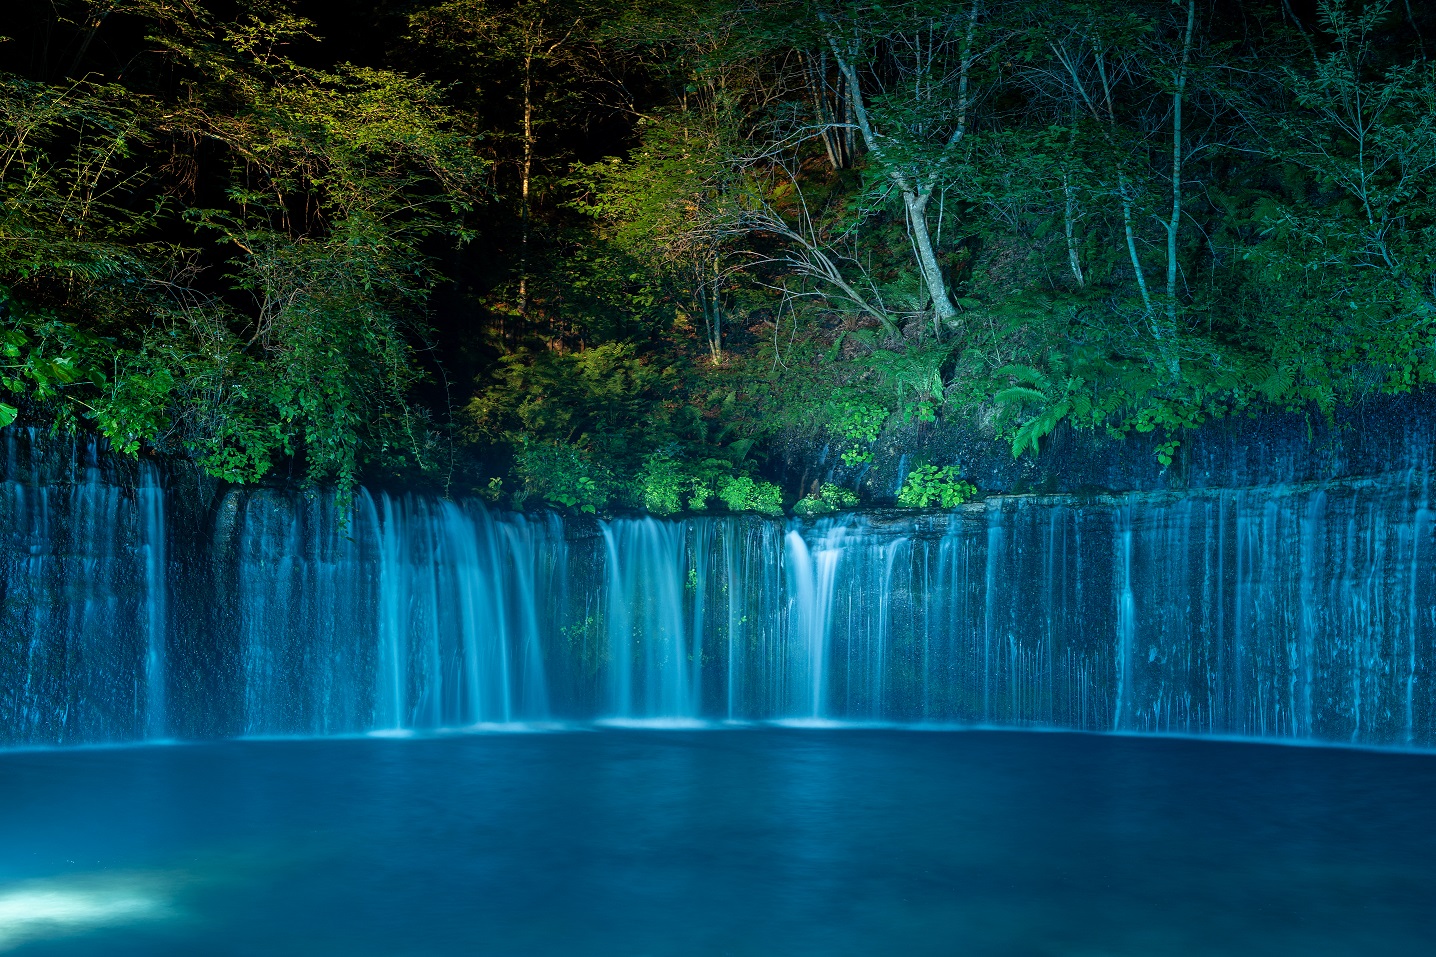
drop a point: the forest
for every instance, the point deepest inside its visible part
(605, 254)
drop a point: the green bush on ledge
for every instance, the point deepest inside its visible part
(929, 486)
(830, 498)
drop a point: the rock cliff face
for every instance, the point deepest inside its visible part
(1279, 582)
(1380, 436)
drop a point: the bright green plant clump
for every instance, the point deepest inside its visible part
(562, 476)
(929, 486)
(830, 498)
(661, 484)
(742, 494)
(858, 424)
(668, 484)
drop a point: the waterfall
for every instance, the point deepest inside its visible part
(1126, 614)
(1303, 611)
(651, 649)
(82, 581)
(151, 500)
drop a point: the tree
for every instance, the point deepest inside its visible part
(912, 106)
(275, 319)
(1359, 241)
(1107, 64)
(535, 37)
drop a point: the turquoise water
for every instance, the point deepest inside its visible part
(770, 841)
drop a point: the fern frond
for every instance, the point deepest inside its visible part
(1026, 375)
(1018, 394)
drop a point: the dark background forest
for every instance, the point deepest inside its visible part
(604, 254)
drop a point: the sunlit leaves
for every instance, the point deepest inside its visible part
(285, 327)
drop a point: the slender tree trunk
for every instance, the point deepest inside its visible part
(915, 191)
(710, 296)
(942, 309)
(1174, 224)
(1070, 208)
(715, 337)
(1069, 226)
(96, 22)
(815, 74)
(850, 135)
(1124, 195)
(524, 184)
(1411, 19)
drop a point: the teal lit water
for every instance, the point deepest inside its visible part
(773, 841)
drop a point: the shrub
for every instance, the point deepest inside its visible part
(830, 498)
(742, 494)
(561, 475)
(667, 484)
(929, 486)
(858, 424)
(661, 484)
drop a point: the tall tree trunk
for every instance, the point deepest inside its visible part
(914, 188)
(710, 299)
(524, 184)
(815, 75)
(850, 135)
(1411, 19)
(1174, 224)
(97, 20)
(1069, 209)
(1124, 194)
(1069, 227)
(915, 206)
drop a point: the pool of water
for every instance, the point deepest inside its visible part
(774, 841)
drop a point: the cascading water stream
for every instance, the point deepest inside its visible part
(1126, 614)
(1421, 533)
(152, 518)
(1285, 611)
(812, 577)
(82, 582)
(650, 650)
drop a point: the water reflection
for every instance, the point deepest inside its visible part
(770, 840)
(62, 907)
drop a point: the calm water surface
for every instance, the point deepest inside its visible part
(744, 842)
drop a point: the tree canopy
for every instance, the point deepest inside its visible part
(602, 254)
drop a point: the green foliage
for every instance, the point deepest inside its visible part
(857, 423)
(609, 400)
(829, 498)
(277, 320)
(913, 377)
(668, 484)
(741, 493)
(664, 486)
(562, 476)
(228, 252)
(930, 486)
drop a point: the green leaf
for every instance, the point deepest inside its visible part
(1025, 374)
(1016, 395)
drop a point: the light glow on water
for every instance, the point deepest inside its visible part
(657, 724)
(37, 910)
(510, 727)
(831, 724)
